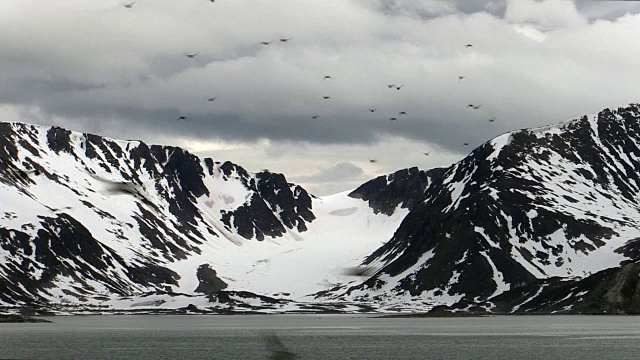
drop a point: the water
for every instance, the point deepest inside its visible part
(323, 337)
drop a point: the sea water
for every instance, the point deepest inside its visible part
(322, 337)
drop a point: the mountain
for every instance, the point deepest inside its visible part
(404, 188)
(91, 221)
(542, 220)
(557, 202)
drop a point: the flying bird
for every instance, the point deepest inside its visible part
(372, 110)
(468, 45)
(373, 161)
(492, 120)
(461, 77)
(285, 39)
(426, 154)
(191, 56)
(326, 77)
(393, 118)
(315, 116)
(129, 5)
(402, 113)
(399, 87)
(465, 144)
(265, 43)
(181, 118)
(212, 99)
(391, 86)
(326, 97)
(474, 107)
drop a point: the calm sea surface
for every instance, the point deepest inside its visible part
(323, 337)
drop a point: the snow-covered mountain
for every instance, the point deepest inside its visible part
(89, 220)
(535, 220)
(534, 204)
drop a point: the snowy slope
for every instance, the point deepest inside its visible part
(87, 219)
(558, 201)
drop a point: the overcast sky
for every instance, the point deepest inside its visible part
(98, 67)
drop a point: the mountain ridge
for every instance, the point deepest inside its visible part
(506, 215)
(148, 219)
(515, 227)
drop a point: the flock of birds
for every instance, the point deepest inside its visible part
(329, 77)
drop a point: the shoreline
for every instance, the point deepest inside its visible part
(6, 319)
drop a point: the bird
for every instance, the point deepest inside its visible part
(315, 116)
(326, 97)
(470, 105)
(402, 113)
(468, 45)
(129, 5)
(492, 120)
(212, 99)
(393, 118)
(461, 77)
(265, 43)
(373, 161)
(465, 144)
(285, 39)
(399, 87)
(181, 118)
(191, 56)
(391, 86)
(372, 110)
(476, 107)
(426, 153)
(326, 77)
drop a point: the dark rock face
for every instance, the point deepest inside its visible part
(254, 220)
(520, 208)
(611, 291)
(292, 200)
(404, 187)
(233, 297)
(59, 140)
(63, 247)
(631, 250)
(210, 283)
(274, 207)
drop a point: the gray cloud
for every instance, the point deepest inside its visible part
(338, 172)
(604, 9)
(433, 8)
(122, 72)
